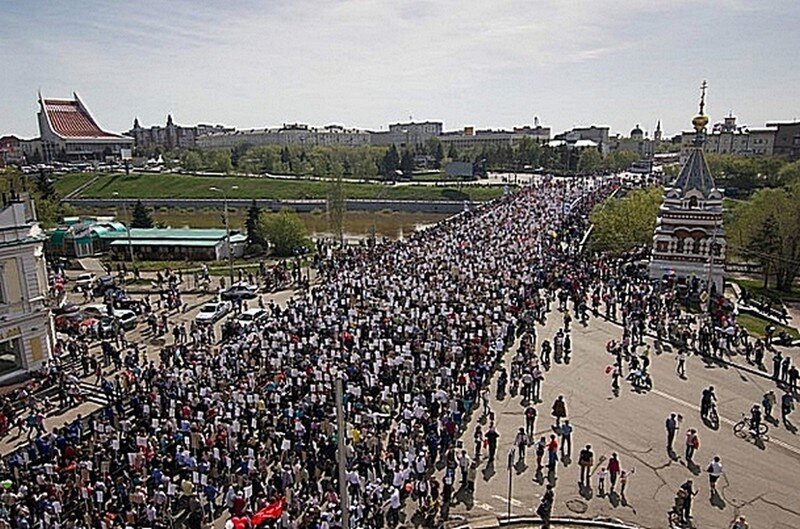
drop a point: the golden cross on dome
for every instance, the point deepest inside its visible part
(703, 96)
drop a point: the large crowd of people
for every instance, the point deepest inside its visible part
(414, 329)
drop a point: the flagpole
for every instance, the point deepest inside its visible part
(341, 455)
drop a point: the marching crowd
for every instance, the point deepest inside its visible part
(414, 328)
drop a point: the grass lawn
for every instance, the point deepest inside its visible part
(756, 288)
(755, 326)
(186, 186)
(69, 182)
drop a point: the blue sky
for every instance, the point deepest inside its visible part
(367, 63)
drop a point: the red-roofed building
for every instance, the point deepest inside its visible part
(70, 133)
(10, 150)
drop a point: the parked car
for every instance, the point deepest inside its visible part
(126, 318)
(250, 317)
(97, 310)
(85, 281)
(241, 290)
(126, 303)
(68, 322)
(103, 284)
(66, 308)
(212, 312)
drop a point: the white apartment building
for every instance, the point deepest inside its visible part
(25, 329)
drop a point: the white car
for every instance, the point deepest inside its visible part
(212, 312)
(126, 318)
(97, 310)
(85, 281)
(250, 317)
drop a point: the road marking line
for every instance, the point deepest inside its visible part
(484, 506)
(515, 502)
(727, 421)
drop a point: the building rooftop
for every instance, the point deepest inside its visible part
(176, 234)
(695, 174)
(70, 119)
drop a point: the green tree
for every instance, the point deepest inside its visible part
(337, 206)
(789, 173)
(438, 155)
(619, 160)
(407, 163)
(767, 229)
(589, 161)
(390, 162)
(621, 224)
(191, 161)
(285, 232)
(45, 186)
(141, 217)
(218, 161)
(251, 224)
(452, 152)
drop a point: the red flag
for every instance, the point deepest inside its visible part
(270, 512)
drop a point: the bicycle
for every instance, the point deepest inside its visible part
(712, 417)
(743, 430)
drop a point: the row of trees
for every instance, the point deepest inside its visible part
(284, 232)
(49, 209)
(621, 224)
(766, 230)
(741, 175)
(377, 161)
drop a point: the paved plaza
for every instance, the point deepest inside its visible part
(759, 483)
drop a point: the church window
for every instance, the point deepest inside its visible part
(693, 202)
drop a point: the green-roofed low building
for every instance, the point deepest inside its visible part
(172, 244)
(101, 236)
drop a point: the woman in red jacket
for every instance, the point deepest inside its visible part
(613, 470)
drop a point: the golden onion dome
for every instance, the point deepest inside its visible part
(700, 121)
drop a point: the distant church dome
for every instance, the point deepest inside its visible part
(637, 133)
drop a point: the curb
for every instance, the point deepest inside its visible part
(514, 521)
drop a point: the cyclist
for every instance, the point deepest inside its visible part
(707, 401)
(755, 418)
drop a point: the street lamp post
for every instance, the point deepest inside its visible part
(511, 454)
(128, 230)
(227, 226)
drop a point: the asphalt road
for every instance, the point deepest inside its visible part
(760, 483)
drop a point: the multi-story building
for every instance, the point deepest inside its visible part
(25, 330)
(294, 134)
(598, 135)
(68, 132)
(787, 139)
(171, 136)
(636, 142)
(729, 138)
(10, 151)
(469, 137)
(408, 134)
(689, 238)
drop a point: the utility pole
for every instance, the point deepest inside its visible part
(511, 453)
(128, 230)
(341, 455)
(227, 226)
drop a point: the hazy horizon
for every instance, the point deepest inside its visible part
(366, 64)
